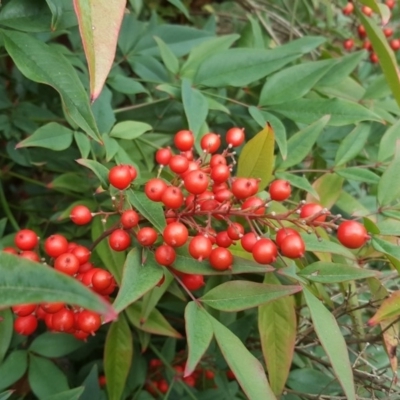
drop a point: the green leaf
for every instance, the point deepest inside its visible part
(387, 191)
(386, 56)
(98, 169)
(130, 130)
(387, 144)
(300, 144)
(24, 281)
(328, 186)
(44, 64)
(305, 44)
(352, 144)
(83, 143)
(99, 25)
(6, 395)
(277, 324)
(45, 378)
(204, 50)
(389, 308)
(70, 181)
(169, 58)
(332, 341)
(6, 331)
(137, 278)
(13, 368)
(240, 66)
(118, 353)
(152, 211)
(123, 84)
(181, 7)
(294, 82)
(73, 394)
(186, 263)
(386, 247)
(25, 15)
(325, 246)
(358, 174)
(327, 272)
(297, 181)
(256, 159)
(389, 227)
(199, 333)
(91, 385)
(155, 323)
(51, 136)
(247, 369)
(241, 295)
(53, 345)
(342, 112)
(195, 106)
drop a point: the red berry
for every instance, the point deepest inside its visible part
(190, 380)
(175, 234)
(165, 255)
(280, 190)
(244, 187)
(367, 11)
(25, 325)
(235, 136)
(82, 253)
(235, 231)
(210, 142)
(119, 240)
(52, 308)
(120, 176)
(10, 250)
(80, 215)
(361, 31)
(374, 58)
(200, 247)
(223, 240)
(209, 374)
(193, 281)
(196, 182)
(163, 156)
(55, 245)
(223, 195)
(184, 140)
(23, 310)
(348, 44)
(348, 9)
(29, 255)
(178, 164)
(88, 321)
(248, 241)
(367, 45)
(217, 159)
(67, 263)
(172, 197)
(155, 188)
(283, 233)
(163, 386)
(129, 219)
(390, 3)
(293, 246)
(220, 173)
(63, 320)
(254, 205)
(101, 280)
(309, 210)
(102, 381)
(221, 259)
(352, 234)
(388, 32)
(25, 239)
(264, 251)
(147, 236)
(395, 44)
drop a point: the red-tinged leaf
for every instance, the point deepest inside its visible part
(385, 54)
(257, 157)
(99, 26)
(277, 324)
(118, 352)
(247, 369)
(199, 333)
(389, 308)
(137, 278)
(332, 341)
(328, 187)
(155, 323)
(241, 295)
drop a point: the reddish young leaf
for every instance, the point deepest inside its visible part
(390, 308)
(99, 25)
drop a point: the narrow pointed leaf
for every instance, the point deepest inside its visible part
(6, 331)
(199, 333)
(332, 341)
(118, 352)
(51, 136)
(301, 143)
(325, 246)
(327, 272)
(44, 64)
(181, 7)
(169, 58)
(256, 159)
(137, 279)
(358, 174)
(99, 170)
(300, 182)
(53, 345)
(387, 191)
(73, 394)
(329, 188)
(6, 395)
(277, 324)
(129, 130)
(389, 308)
(387, 145)
(247, 369)
(241, 295)
(13, 368)
(99, 25)
(195, 106)
(24, 281)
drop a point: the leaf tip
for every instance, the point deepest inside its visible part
(110, 314)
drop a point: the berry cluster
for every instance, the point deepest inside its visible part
(363, 43)
(68, 258)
